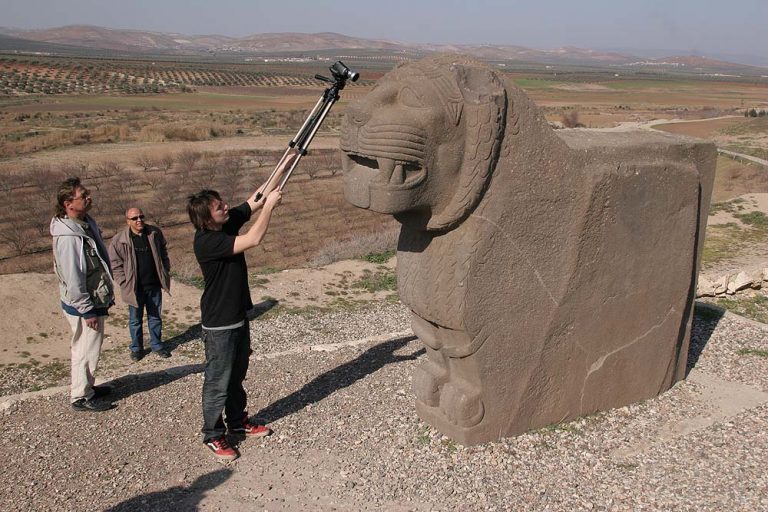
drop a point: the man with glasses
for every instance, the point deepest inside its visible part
(81, 264)
(141, 268)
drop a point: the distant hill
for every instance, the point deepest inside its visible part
(144, 42)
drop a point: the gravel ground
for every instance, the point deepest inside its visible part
(347, 436)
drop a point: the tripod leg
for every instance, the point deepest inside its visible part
(302, 149)
(279, 172)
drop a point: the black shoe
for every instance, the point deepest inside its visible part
(164, 353)
(137, 356)
(100, 391)
(92, 405)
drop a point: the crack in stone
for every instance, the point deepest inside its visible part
(526, 260)
(597, 364)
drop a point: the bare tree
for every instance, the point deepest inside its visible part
(107, 169)
(207, 171)
(311, 168)
(118, 195)
(153, 178)
(145, 161)
(330, 160)
(166, 162)
(10, 182)
(76, 168)
(231, 173)
(160, 209)
(18, 230)
(45, 181)
(188, 160)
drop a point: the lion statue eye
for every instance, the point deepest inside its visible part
(410, 98)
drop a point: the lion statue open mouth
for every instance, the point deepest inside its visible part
(550, 274)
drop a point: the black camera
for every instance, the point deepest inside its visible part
(341, 72)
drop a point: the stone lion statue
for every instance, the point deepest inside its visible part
(550, 274)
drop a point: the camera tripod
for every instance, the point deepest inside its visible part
(306, 133)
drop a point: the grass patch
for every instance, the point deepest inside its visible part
(667, 85)
(756, 219)
(190, 280)
(423, 436)
(534, 83)
(562, 427)
(37, 376)
(268, 270)
(755, 307)
(751, 126)
(757, 152)
(379, 257)
(726, 241)
(732, 206)
(255, 280)
(752, 352)
(449, 445)
(381, 280)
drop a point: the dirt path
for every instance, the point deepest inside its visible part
(35, 329)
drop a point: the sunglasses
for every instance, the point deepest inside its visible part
(138, 217)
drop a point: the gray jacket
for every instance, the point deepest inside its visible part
(123, 260)
(85, 279)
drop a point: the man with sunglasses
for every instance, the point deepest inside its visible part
(141, 268)
(81, 264)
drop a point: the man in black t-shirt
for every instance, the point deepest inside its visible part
(139, 258)
(226, 299)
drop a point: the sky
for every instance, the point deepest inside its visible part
(700, 27)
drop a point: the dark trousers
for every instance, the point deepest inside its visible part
(226, 363)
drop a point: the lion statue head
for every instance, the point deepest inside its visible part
(423, 143)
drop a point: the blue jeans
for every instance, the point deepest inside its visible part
(152, 301)
(226, 363)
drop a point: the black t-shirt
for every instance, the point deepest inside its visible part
(226, 297)
(145, 262)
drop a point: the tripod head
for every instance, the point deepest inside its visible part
(340, 73)
(298, 145)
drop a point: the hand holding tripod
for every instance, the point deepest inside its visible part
(297, 148)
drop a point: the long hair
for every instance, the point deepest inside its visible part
(66, 193)
(198, 207)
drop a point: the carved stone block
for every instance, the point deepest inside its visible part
(551, 274)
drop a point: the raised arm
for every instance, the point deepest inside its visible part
(268, 186)
(255, 234)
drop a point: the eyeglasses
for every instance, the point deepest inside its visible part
(85, 195)
(138, 217)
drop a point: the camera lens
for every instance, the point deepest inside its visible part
(341, 72)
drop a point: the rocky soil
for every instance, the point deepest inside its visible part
(336, 389)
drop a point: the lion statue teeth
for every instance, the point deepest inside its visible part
(550, 274)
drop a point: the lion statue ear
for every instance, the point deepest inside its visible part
(483, 114)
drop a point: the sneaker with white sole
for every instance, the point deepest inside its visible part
(221, 449)
(250, 429)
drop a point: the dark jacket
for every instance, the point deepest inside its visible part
(123, 260)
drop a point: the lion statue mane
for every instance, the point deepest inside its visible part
(550, 274)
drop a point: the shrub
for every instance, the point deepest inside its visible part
(357, 247)
(183, 132)
(571, 120)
